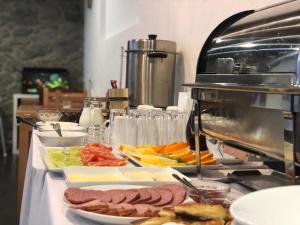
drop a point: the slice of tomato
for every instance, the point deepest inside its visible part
(89, 158)
(97, 163)
(117, 163)
(106, 155)
(99, 155)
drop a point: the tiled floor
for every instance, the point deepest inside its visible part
(8, 190)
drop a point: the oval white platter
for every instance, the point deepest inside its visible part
(102, 218)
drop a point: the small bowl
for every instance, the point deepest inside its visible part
(49, 115)
(69, 138)
(209, 192)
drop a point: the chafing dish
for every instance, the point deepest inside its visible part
(247, 88)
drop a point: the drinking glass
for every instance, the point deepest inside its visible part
(153, 131)
(179, 126)
(117, 129)
(140, 121)
(172, 126)
(131, 127)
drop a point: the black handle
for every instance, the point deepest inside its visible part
(159, 54)
(152, 36)
(27, 121)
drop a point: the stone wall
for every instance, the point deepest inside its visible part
(38, 33)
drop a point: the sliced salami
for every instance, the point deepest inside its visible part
(78, 196)
(146, 210)
(118, 196)
(179, 193)
(165, 197)
(155, 196)
(131, 195)
(123, 209)
(105, 196)
(144, 196)
(101, 210)
(90, 206)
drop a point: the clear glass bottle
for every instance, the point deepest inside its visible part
(96, 120)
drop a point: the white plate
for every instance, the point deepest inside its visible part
(120, 172)
(274, 206)
(69, 138)
(62, 124)
(182, 169)
(106, 219)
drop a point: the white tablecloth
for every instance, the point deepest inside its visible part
(42, 202)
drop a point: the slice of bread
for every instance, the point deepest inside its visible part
(157, 221)
(208, 222)
(167, 212)
(201, 212)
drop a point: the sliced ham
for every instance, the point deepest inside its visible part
(123, 209)
(143, 202)
(178, 192)
(105, 196)
(101, 210)
(144, 196)
(142, 210)
(118, 196)
(155, 196)
(146, 210)
(90, 206)
(165, 197)
(131, 195)
(78, 196)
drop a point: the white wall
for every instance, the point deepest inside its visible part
(109, 24)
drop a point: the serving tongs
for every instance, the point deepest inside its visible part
(28, 121)
(57, 129)
(184, 181)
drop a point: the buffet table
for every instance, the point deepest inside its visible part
(42, 201)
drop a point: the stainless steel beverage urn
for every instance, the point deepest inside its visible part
(150, 72)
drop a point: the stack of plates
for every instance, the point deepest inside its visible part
(69, 138)
(66, 126)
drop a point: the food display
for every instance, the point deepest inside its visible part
(90, 155)
(163, 204)
(190, 214)
(100, 155)
(133, 202)
(104, 187)
(174, 154)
